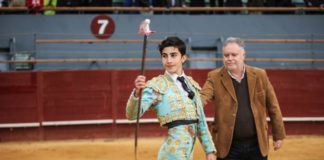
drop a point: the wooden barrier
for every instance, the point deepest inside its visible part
(45, 105)
(12, 9)
(95, 41)
(249, 40)
(69, 60)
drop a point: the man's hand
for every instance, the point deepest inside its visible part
(277, 144)
(139, 84)
(211, 156)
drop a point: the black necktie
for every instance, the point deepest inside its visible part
(191, 94)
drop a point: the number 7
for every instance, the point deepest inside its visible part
(103, 24)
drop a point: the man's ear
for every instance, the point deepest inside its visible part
(183, 58)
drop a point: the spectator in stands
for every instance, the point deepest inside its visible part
(35, 6)
(314, 3)
(138, 3)
(219, 3)
(176, 3)
(129, 3)
(243, 96)
(168, 4)
(50, 3)
(279, 3)
(234, 3)
(175, 98)
(69, 3)
(11, 3)
(255, 3)
(146, 3)
(5, 3)
(197, 3)
(97, 3)
(161, 3)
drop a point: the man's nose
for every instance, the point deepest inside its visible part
(169, 59)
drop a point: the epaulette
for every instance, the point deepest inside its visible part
(194, 83)
(159, 84)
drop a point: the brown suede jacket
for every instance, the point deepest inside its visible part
(219, 89)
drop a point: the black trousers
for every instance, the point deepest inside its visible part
(244, 151)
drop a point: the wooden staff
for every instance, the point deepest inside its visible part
(145, 31)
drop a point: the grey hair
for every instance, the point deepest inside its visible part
(236, 40)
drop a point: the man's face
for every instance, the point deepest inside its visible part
(234, 57)
(172, 60)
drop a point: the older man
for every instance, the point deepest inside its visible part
(243, 97)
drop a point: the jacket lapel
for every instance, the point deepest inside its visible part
(251, 80)
(228, 84)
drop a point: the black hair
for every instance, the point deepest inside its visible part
(173, 42)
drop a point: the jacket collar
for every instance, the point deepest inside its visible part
(189, 79)
(227, 81)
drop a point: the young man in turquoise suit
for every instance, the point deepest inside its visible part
(175, 98)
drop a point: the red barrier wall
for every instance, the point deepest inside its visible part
(91, 103)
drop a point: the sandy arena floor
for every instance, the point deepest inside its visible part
(295, 148)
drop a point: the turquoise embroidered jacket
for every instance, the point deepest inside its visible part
(163, 96)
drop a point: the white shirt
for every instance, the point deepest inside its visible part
(238, 80)
(177, 82)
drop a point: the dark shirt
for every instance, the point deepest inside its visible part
(244, 122)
